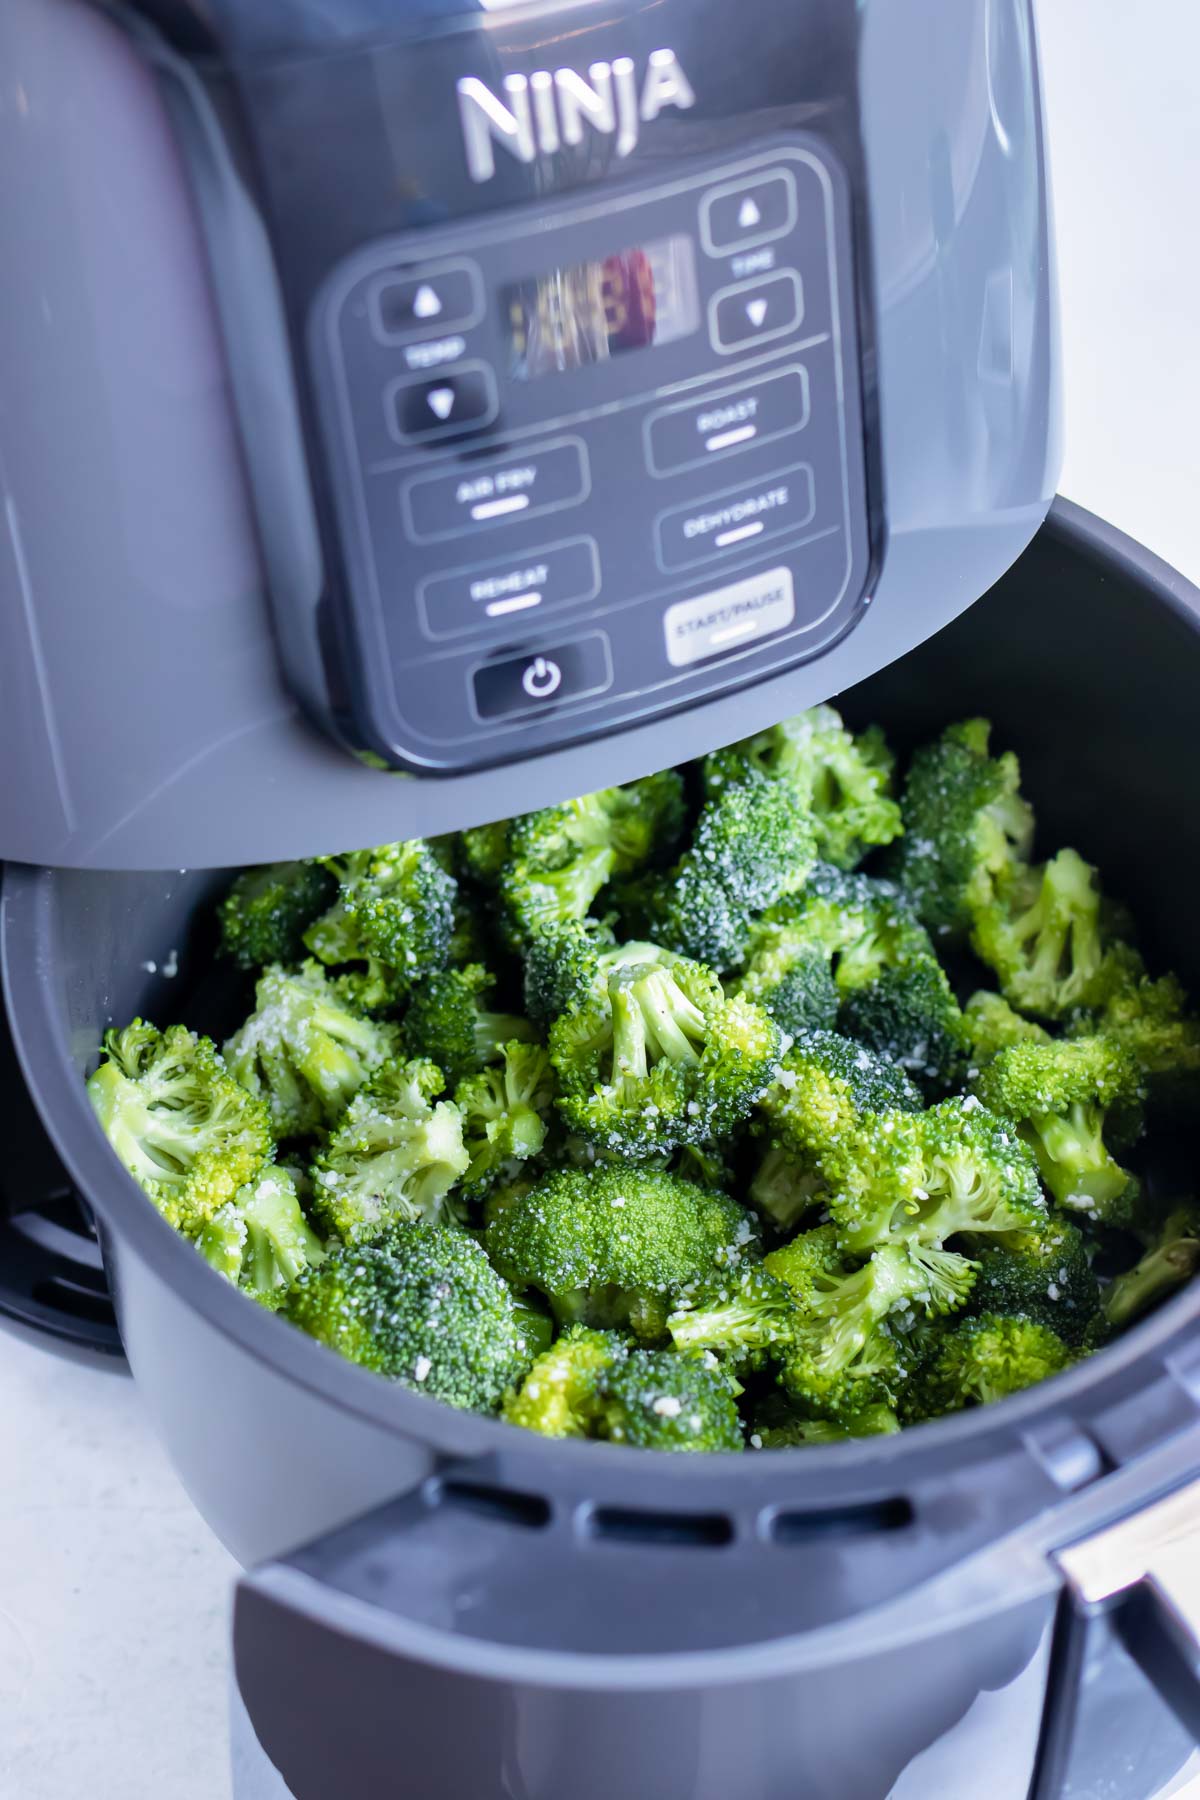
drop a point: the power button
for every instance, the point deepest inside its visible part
(543, 679)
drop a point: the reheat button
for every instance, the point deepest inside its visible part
(737, 520)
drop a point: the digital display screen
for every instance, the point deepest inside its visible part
(571, 318)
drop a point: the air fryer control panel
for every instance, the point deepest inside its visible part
(598, 458)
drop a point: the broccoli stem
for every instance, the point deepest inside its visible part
(1162, 1270)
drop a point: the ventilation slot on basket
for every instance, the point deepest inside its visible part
(630, 1526)
(501, 1504)
(842, 1521)
(79, 1302)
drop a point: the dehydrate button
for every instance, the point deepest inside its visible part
(737, 520)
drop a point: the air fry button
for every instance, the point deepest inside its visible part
(494, 491)
(738, 520)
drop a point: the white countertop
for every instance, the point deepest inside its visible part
(113, 1595)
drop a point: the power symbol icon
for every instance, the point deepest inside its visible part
(541, 678)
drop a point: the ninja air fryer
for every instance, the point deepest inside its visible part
(415, 413)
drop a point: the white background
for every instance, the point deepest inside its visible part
(112, 1594)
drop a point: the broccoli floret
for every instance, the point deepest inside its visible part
(845, 782)
(558, 1398)
(266, 912)
(786, 1187)
(1071, 1100)
(1152, 1020)
(655, 1400)
(921, 1180)
(744, 1316)
(504, 1112)
(483, 851)
(186, 1131)
(1045, 936)
(395, 908)
(991, 1025)
(537, 898)
(562, 966)
(967, 830)
(449, 1021)
(910, 1018)
(615, 1246)
(705, 1164)
(1171, 1259)
(304, 1051)
(984, 1359)
(791, 978)
(424, 1307)
(777, 1426)
(393, 1156)
(752, 845)
(260, 1240)
(828, 1085)
(1046, 1277)
(469, 941)
(659, 1058)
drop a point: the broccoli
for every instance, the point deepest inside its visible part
(1152, 1021)
(469, 940)
(483, 851)
(422, 1306)
(659, 1057)
(843, 781)
(1045, 937)
(786, 1186)
(967, 830)
(983, 1359)
(394, 912)
(558, 1397)
(1066, 1098)
(304, 1051)
(504, 1111)
(790, 977)
(1171, 1260)
(752, 845)
(614, 1247)
(921, 1180)
(260, 1240)
(744, 1315)
(654, 1400)
(827, 1086)
(991, 1025)
(186, 1131)
(1046, 1277)
(266, 912)
(562, 966)
(393, 1156)
(777, 1426)
(448, 1020)
(702, 1163)
(910, 1018)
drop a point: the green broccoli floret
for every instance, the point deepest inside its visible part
(659, 1057)
(1153, 1022)
(778, 1426)
(967, 830)
(260, 1240)
(791, 978)
(304, 1051)
(1046, 938)
(743, 1315)
(504, 1112)
(921, 1180)
(1066, 1099)
(266, 912)
(991, 1025)
(483, 851)
(558, 1398)
(910, 1018)
(395, 908)
(655, 1400)
(422, 1306)
(827, 1086)
(537, 898)
(186, 1131)
(705, 1164)
(752, 845)
(469, 940)
(562, 966)
(615, 1246)
(393, 1156)
(1044, 1276)
(984, 1359)
(1171, 1259)
(843, 781)
(786, 1187)
(449, 1021)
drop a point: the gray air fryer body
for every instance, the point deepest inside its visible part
(414, 413)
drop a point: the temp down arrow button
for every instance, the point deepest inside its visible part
(461, 399)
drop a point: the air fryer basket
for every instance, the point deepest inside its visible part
(581, 1601)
